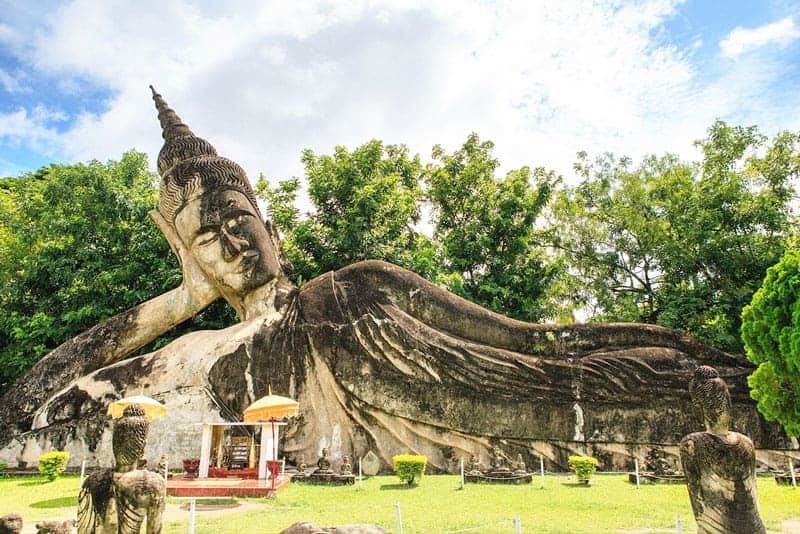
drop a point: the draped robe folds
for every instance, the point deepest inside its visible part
(380, 359)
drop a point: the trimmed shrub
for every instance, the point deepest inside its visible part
(583, 467)
(52, 464)
(409, 467)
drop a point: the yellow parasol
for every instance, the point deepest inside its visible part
(270, 407)
(152, 408)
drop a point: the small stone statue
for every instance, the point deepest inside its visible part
(301, 464)
(656, 462)
(474, 465)
(346, 468)
(519, 465)
(719, 464)
(118, 501)
(55, 527)
(161, 466)
(499, 461)
(11, 524)
(324, 463)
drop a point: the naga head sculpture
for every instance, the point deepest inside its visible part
(130, 438)
(208, 201)
(711, 396)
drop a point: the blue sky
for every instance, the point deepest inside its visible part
(264, 80)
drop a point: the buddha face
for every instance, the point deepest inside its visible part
(229, 241)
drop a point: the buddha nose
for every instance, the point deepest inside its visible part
(232, 245)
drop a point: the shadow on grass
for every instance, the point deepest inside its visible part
(400, 486)
(61, 502)
(212, 504)
(575, 485)
(37, 482)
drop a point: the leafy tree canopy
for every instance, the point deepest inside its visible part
(366, 203)
(683, 245)
(485, 225)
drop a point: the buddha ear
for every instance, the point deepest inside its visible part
(174, 241)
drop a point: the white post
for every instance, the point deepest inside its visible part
(678, 527)
(360, 477)
(166, 470)
(791, 470)
(541, 469)
(462, 473)
(192, 506)
(517, 524)
(399, 519)
(263, 453)
(275, 444)
(205, 450)
(636, 465)
(83, 472)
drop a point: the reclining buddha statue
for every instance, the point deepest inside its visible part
(378, 357)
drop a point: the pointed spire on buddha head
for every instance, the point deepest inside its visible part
(188, 164)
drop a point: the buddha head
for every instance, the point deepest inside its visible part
(130, 438)
(208, 201)
(711, 396)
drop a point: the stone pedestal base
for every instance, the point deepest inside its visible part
(785, 479)
(499, 477)
(651, 478)
(330, 479)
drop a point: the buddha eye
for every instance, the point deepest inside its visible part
(206, 238)
(236, 219)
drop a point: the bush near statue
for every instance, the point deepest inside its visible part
(388, 361)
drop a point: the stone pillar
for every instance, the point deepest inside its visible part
(219, 440)
(263, 453)
(269, 449)
(205, 450)
(251, 459)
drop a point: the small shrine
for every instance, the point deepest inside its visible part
(240, 458)
(237, 449)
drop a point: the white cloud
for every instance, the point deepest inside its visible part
(10, 83)
(742, 40)
(262, 81)
(20, 127)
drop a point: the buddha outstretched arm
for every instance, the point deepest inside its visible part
(109, 341)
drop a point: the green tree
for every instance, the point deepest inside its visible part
(771, 335)
(485, 227)
(366, 203)
(683, 245)
(76, 247)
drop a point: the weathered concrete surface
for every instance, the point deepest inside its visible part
(381, 359)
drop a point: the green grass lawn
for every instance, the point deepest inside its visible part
(610, 504)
